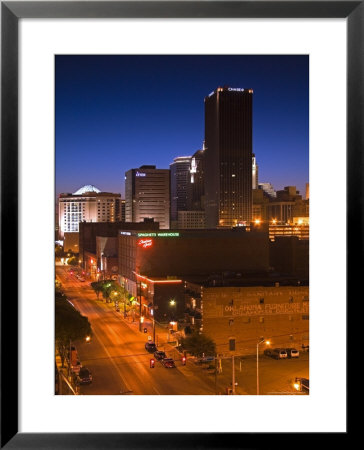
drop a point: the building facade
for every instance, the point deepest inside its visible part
(90, 230)
(254, 172)
(238, 317)
(180, 172)
(147, 195)
(88, 204)
(191, 220)
(158, 262)
(228, 157)
(196, 185)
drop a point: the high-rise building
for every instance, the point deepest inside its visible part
(147, 195)
(180, 171)
(254, 173)
(196, 184)
(228, 157)
(268, 189)
(88, 204)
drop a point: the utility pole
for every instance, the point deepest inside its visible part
(215, 374)
(140, 305)
(153, 326)
(233, 373)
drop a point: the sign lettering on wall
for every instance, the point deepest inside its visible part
(145, 243)
(246, 309)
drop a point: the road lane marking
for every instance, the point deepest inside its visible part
(112, 361)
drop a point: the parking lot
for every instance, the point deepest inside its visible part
(276, 376)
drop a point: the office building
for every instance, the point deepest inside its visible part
(254, 173)
(196, 185)
(228, 157)
(180, 172)
(88, 204)
(147, 195)
(191, 220)
(268, 189)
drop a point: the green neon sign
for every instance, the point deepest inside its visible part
(166, 234)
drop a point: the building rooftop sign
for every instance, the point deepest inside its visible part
(164, 234)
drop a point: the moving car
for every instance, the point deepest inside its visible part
(168, 363)
(84, 376)
(159, 355)
(292, 353)
(150, 347)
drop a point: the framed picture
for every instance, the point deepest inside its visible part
(27, 198)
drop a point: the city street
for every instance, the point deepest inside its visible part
(116, 355)
(119, 362)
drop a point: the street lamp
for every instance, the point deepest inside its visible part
(258, 343)
(153, 320)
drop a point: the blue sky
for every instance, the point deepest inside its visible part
(114, 113)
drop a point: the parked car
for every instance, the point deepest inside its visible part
(168, 363)
(159, 355)
(279, 353)
(84, 376)
(268, 352)
(150, 347)
(302, 385)
(292, 353)
(75, 368)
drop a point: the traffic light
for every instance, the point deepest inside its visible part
(183, 360)
(152, 363)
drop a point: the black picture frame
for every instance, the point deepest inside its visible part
(11, 12)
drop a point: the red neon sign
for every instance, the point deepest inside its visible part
(145, 243)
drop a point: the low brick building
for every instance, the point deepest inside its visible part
(241, 316)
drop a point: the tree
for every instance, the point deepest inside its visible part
(97, 287)
(59, 251)
(73, 261)
(70, 325)
(199, 345)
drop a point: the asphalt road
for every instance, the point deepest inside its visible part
(120, 364)
(116, 355)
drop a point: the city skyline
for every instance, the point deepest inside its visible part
(115, 113)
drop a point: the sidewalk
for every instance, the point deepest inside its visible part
(65, 387)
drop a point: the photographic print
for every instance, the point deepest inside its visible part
(182, 225)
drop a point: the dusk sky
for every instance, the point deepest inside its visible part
(115, 113)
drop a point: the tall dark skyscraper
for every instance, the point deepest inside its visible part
(180, 171)
(196, 184)
(228, 157)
